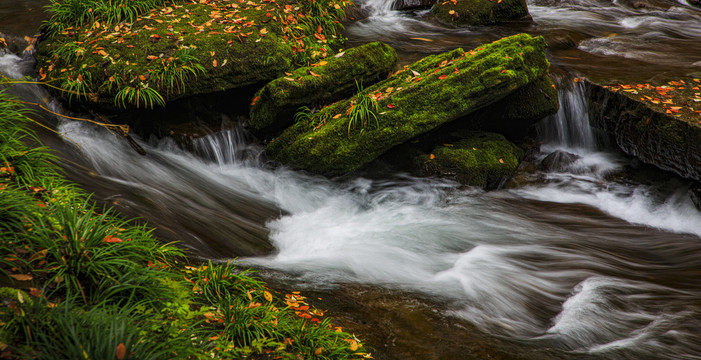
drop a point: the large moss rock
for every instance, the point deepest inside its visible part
(187, 49)
(425, 95)
(327, 81)
(480, 159)
(480, 12)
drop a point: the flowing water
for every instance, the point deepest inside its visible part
(600, 259)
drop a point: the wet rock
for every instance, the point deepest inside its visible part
(481, 159)
(695, 194)
(558, 161)
(516, 114)
(480, 12)
(647, 132)
(425, 95)
(412, 4)
(339, 77)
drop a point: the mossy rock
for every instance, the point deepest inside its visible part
(480, 12)
(12, 294)
(481, 159)
(330, 80)
(187, 49)
(425, 95)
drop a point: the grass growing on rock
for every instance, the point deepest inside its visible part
(424, 95)
(79, 282)
(145, 57)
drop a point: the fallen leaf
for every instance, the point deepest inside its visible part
(501, 161)
(442, 77)
(255, 100)
(432, 156)
(268, 296)
(21, 277)
(353, 345)
(314, 74)
(120, 352)
(214, 63)
(337, 116)
(421, 39)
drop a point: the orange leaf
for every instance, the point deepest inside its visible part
(442, 77)
(503, 71)
(314, 74)
(111, 239)
(501, 161)
(120, 352)
(214, 62)
(391, 106)
(102, 53)
(21, 277)
(432, 156)
(255, 100)
(353, 345)
(337, 116)
(151, 57)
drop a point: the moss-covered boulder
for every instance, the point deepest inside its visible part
(481, 159)
(185, 49)
(425, 95)
(480, 12)
(327, 81)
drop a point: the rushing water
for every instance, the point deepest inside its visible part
(601, 258)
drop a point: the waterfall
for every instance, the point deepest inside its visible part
(570, 127)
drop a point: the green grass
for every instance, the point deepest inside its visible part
(88, 284)
(363, 107)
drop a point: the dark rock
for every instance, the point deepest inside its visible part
(412, 4)
(695, 194)
(480, 12)
(663, 140)
(558, 161)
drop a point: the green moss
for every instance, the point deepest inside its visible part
(232, 45)
(481, 159)
(423, 96)
(480, 12)
(13, 294)
(335, 78)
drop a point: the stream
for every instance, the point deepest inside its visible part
(601, 259)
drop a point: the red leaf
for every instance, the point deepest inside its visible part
(255, 100)
(442, 77)
(111, 239)
(120, 352)
(391, 106)
(503, 71)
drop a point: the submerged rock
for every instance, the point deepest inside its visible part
(480, 12)
(481, 159)
(330, 80)
(558, 161)
(425, 95)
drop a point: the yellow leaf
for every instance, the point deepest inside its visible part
(20, 297)
(268, 296)
(263, 31)
(353, 345)
(337, 116)
(501, 161)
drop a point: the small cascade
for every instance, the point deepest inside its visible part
(570, 127)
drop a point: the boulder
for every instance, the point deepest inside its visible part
(479, 12)
(515, 115)
(651, 123)
(481, 159)
(186, 49)
(423, 96)
(330, 80)
(412, 4)
(558, 161)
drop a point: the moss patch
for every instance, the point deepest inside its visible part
(421, 97)
(481, 159)
(480, 12)
(329, 80)
(187, 49)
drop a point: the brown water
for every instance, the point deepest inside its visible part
(582, 263)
